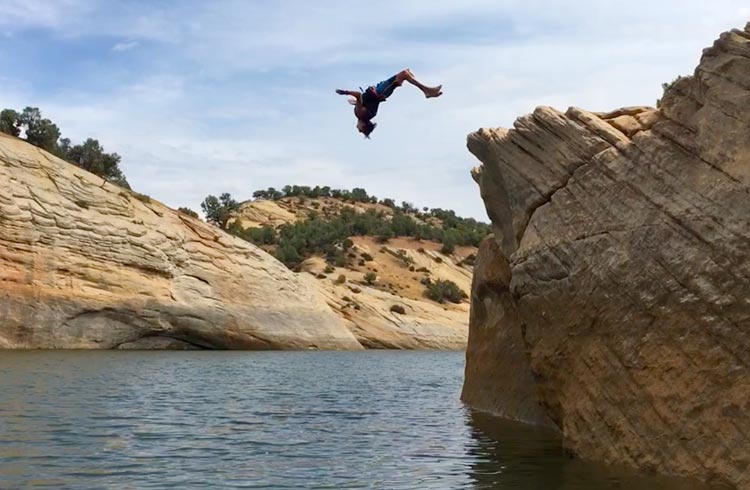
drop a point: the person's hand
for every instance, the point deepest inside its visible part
(340, 92)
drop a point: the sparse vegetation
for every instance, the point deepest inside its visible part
(45, 134)
(141, 197)
(370, 278)
(666, 86)
(330, 236)
(187, 212)
(444, 290)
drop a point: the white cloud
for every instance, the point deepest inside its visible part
(125, 46)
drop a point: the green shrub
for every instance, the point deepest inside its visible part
(142, 197)
(448, 247)
(367, 257)
(329, 268)
(341, 279)
(289, 256)
(385, 236)
(442, 290)
(370, 278)
(187, 212)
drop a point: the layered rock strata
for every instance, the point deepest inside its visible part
(614, 301)
(86, 264)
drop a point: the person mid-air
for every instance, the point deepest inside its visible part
(366, 102)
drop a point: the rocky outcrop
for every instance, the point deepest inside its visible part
(623, 315)
(86, 264)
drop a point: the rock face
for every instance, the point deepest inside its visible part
(86, 264)
(623, 314)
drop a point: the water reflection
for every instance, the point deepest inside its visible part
(508, 455)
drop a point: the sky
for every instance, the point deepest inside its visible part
(237, 95)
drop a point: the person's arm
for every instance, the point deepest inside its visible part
(352, 93)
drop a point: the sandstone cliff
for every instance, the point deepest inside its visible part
(86, 264)
(614, 302)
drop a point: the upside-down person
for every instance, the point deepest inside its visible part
(366, 102)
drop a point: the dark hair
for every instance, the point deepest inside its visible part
(369, 128)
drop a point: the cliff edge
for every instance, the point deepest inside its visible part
(614, 300)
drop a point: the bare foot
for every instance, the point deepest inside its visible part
(434, 92)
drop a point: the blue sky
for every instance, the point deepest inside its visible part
(235, 95)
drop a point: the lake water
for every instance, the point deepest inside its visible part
(285, 420)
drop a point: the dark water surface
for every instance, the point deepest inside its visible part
(385, 420)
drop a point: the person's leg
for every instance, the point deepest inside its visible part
(408, 76)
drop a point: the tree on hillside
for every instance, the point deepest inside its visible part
(45, 134)
(219, 210)
(92, 157)
(270, 193)
(360, 195)
(9, 122)
(407, 207)
(40, 132)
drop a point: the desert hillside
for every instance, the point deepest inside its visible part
(388, 289)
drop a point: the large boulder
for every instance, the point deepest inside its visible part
(623, 315)
(86, 264)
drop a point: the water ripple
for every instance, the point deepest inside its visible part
(161, 420)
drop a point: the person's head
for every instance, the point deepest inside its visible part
(366, 127)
